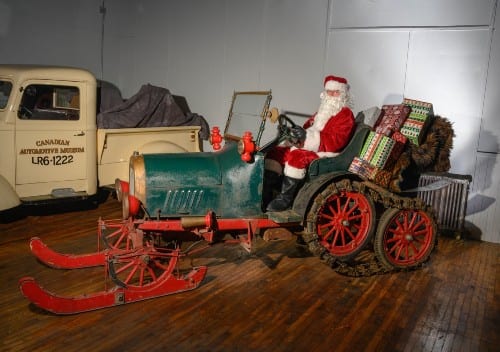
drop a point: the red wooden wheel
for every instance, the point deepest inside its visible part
(344, 221)
(405, 238)
(120, 234)
(143, 267)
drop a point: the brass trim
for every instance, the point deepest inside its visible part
(137, 177)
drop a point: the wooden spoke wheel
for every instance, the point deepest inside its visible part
(343, 218)
(405, 238)
(120, 235)
(143, 267)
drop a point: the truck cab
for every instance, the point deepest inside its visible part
(48, 133)
(53, 150)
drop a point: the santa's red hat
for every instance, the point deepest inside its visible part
(335, 83)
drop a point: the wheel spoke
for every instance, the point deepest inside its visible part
(143, 267)
(131, 274)
(125, 267)
(344, 220)
(415, 249)
(405, 238)
(335, 238)
(329, 233)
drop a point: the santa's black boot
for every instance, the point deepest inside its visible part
(272, 184)
(284, 200)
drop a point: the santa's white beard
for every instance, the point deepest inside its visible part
(329, 106)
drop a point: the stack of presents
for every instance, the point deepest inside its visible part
(393, 128)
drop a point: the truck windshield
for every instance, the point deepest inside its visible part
(48, 102)
(5, 88)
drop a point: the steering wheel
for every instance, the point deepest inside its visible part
(285, 124)
(25, 112)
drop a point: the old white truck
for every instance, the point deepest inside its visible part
(50, 147)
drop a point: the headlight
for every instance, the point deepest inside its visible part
(121, 187)
(135, 192)
(137, 178)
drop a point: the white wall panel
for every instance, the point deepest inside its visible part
(196, 32)
(374, 63)
(243, 38)
(448, 69)
(410, 13)
(489, 140)
(55, 32)
(136, 47)
(293, 52)
(483, 207)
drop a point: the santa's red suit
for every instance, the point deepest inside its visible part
(325, 137)
(326, 133)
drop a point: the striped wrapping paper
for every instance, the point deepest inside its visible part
(415, 125)
(413, 130)
(394, 116)
(380, 151)
(419, 106)
(363, 168)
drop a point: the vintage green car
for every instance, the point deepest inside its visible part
(212, 197)
(225, 191)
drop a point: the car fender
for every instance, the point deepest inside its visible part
(9, 198)
(309, 190)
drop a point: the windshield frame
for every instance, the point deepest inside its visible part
(259, 112)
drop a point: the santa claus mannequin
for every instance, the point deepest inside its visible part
(325, 134)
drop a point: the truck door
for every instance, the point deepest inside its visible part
(51, 145)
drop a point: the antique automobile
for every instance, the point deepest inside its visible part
(172, 202)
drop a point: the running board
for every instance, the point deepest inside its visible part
(284, 217)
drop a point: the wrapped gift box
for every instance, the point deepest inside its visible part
(392, 119)
(381, 151)
(420, 107)
(363, 168)
(399, 137)
(416, 124)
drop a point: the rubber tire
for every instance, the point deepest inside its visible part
(322, 247)
(389, 232)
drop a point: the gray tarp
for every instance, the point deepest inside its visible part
(151, 107)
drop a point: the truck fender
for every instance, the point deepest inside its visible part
(307, 193)
(9, 198)
(161, 147)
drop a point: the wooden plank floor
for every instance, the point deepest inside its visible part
(278, 299)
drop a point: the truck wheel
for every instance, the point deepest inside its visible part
(342, 221)
(405, 238)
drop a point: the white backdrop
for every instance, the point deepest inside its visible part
(441, 51)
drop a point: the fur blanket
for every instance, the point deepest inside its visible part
(432, 155)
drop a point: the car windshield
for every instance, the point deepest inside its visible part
(248, 113)
(5, 89)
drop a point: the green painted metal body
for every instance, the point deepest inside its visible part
(192, 184)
